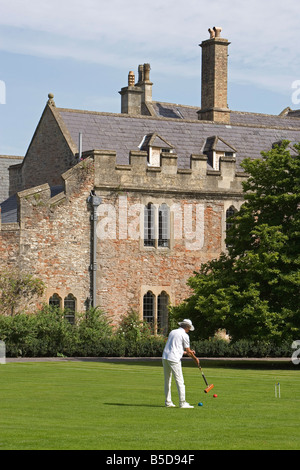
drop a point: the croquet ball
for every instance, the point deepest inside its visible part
(215, 395)
(200, 404)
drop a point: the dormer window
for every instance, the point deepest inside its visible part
(215, 148)
(155, 146)
(154, 156)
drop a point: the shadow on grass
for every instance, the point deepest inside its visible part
(228, 363)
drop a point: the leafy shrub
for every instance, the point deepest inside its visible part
(93, 327)
(149, 347)
(48, 334)
(133, 329)
(18, 333)
(55, 335)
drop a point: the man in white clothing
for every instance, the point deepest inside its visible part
(177, 345)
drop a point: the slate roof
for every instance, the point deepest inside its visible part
(178, 111)
(9, 207)
(248, 133)
(9, 211)
(178, 125)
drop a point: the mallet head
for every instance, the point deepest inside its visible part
(209, 388)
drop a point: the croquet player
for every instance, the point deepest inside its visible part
(177, 345)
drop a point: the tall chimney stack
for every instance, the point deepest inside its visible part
(214, 105)
(136, 95)
(144, 83)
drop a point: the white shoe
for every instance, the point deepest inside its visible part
(169, 404)
(186, 405)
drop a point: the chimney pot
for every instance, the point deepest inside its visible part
(217, 31)
(212, 33)
(147, 72)
(131, 78)
(141, 73)
(136, 95)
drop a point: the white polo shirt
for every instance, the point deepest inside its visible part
(178, 340)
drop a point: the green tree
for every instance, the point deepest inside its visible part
(253, 290)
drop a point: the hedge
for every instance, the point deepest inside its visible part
(241, 348)
(49, 334)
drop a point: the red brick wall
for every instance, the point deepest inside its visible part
(125, 265)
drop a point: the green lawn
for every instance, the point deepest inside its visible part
(120, 406)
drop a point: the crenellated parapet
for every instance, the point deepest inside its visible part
(35, 203)
(138, 175)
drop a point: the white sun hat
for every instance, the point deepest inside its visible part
(187, 322)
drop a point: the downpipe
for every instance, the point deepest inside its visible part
(95, 202)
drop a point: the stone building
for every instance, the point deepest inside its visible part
(119, 210)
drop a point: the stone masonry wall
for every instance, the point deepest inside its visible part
(52, 241)
(53, 238)
(9, 246)
(127, 269)
(48, 156)
(214, 80)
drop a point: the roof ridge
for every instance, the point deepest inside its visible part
(160, 118)
(15, 157)
(261, 114)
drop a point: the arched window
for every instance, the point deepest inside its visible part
(149, 225)
(55, 301)
(162, 313)
(149, 308)
(155, 310)
(229, 213)
(70, 308)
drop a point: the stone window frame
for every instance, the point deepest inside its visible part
(63, 298)
(162, 312)
(149, 307)
(157, 242)
(156, 293)
(71, 309)
(236, 204)
(55, 300)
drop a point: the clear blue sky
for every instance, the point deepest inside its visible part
(82, 52)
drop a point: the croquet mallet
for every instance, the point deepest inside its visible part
(208, 387)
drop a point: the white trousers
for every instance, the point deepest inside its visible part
(174, 368)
